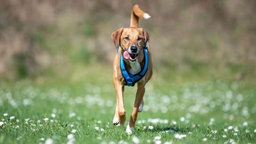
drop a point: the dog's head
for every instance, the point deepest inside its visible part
(131, 41)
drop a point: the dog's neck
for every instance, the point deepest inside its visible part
(135, 67)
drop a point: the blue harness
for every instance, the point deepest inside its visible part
(131, 79)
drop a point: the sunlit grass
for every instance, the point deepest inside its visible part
(81, 111)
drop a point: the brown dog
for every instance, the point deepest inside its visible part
(132, 64)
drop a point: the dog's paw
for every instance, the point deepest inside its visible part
(129, 130)
(116, 122)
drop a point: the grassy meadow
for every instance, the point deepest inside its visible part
(56, 72)
(50, 111)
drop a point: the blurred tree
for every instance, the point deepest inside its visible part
(186, 35)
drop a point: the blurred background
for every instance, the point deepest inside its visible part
(67, 39)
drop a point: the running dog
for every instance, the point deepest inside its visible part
(132, 65)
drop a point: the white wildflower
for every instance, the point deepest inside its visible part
(73, 131)
(27, 120)
(19, 138)
(42, 139)
(182, 119)
(230, 127)
(157, 120)
(53, 115)
(12, 117)
(211, 121)
(204, 139)
(174, 122)
(141, 121)
(236, 129)
(254, 131)
(71, 139)
(214, 131)
(122, 142)
(135, 139)
(5, 114)
(49, 141)
(245, 124)
(72, 115)
(97, 128)
(46, 119)
(70, 136)
(230, 141)
(157, 138)
(179, 136)
(26, 102)
(71, 125)
(150, 127)
(1, 123)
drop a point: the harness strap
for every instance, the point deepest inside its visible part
(132, 79)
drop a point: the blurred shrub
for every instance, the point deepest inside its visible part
(21, 68)
(89, 29)
(196, 36)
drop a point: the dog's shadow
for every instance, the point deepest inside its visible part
(165, 129)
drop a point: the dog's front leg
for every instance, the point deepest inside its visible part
(119, 117)
(138, 100)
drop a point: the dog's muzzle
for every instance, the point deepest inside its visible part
(133, 49)
(133, 52)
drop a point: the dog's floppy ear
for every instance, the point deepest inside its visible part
(146, 35)
(116, 36)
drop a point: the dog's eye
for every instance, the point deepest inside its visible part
(139, 39)
(126, 38)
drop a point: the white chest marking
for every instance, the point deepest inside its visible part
(135, 67)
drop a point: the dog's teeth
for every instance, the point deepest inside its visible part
(146, 16)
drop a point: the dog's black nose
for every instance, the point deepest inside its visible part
(134, 49)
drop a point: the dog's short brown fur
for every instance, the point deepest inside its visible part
(126, 39)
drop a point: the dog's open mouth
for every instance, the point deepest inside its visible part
(130, 56)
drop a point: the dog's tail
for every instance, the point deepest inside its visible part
(136, 14)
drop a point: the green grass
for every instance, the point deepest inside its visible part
(81, 111)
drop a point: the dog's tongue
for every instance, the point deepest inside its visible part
(126, 55)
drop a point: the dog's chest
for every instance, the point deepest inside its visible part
(135, 67)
